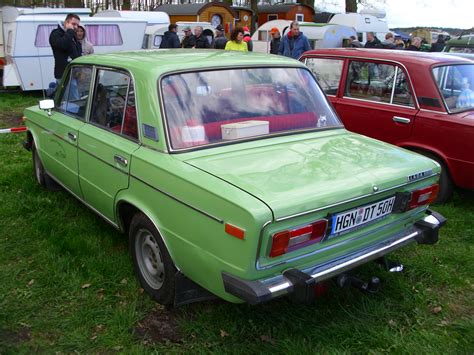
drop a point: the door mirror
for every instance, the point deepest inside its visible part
(46, 104)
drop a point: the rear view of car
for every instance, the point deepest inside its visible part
(230, 173)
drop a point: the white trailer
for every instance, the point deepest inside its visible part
(154, 34)
(10, 12)
(151, 17)
(362, 23)
(29, 57)
(319, 35)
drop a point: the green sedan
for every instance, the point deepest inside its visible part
(230, 173)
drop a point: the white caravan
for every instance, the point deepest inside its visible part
(11, 12)
(154, 34)
(362, 23)
(151, 17)
(30, 62)
(319, 35)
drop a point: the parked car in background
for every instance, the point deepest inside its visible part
(230, 173)
(419, 101)
(461, 44)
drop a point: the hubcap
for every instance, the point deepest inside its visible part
(149, 258)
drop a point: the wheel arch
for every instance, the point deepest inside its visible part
(434, 152)
(125, 210)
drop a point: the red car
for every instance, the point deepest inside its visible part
(420, 101)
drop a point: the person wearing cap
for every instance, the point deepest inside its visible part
(295, 43)
(236, 42)
(248, 39)
(220, 40)
(276, 40)
(170, 38)
(189, 41)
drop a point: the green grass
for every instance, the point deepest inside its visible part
(66, 284)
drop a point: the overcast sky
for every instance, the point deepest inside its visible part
(409, 13)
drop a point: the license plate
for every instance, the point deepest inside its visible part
(359, 216)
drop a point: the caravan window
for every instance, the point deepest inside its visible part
(42, 35)
(157, 41)
(263, 36)
(104, 35)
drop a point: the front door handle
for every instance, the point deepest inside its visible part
(120, 160)
(401, 119)
(72, 136)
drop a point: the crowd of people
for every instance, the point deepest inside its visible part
(390, 42)
(69, 41)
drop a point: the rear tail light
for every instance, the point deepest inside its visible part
(423, 196)
(292, 239)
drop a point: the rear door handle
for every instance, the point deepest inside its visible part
(72, 136)
(120, 160)
(401, 119)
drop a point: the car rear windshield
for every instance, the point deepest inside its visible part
(212, 107)
(456, 83)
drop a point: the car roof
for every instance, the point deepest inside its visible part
(402, 56)
(168, 60)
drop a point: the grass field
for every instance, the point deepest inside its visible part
(66, 285)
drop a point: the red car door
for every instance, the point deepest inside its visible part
(377, 100)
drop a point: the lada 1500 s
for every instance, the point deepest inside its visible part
(230, 173)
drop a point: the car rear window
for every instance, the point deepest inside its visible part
(211, 107)
(456, 84)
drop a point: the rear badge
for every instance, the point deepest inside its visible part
(420, 175)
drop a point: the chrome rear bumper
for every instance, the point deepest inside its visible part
(301, 282)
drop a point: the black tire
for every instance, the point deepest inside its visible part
(445, 182)
(41, 176)
(152, 262)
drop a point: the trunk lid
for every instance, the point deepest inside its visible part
(298, 175)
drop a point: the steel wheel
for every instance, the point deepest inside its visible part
(149, 258)
(152, 262)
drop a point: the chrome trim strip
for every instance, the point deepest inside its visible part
(340, 243)
(440, 112)
(393, 84)
(379, 102)
(179, 200)
(84, 202)
(284, 218)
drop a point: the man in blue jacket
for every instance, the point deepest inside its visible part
(295, 43)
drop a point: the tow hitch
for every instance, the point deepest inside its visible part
(371, 286)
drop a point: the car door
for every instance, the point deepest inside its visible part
(59, 140)
(107, 141)
(328, 72)
(377, 101)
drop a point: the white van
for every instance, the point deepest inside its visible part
(320, 35)
(154, 34)
(29, 57)
(362, 23)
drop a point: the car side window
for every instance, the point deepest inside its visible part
(73, 99)
(113, 106)
(328, 72)
(378, 82)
